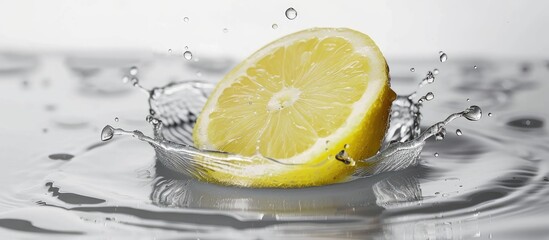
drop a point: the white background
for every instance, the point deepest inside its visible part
(491, 29)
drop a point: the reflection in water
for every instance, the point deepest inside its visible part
(365, 195)
(99, 75)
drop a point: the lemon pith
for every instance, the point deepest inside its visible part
(299, 100)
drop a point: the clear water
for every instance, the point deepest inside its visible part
(60, 180)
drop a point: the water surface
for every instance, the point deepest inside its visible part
(61, 181)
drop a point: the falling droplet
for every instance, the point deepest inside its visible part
(133, 71)
(116, 119)
(225, 30)
(429, 96)
(188, 55)
(412, 69)
(473, 113)
(436, 154)
(274, 26)
(186, 19)
(291, 13)
(443, 57)
(489, 114)
(458, 132)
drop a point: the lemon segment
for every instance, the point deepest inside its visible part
(300, 100)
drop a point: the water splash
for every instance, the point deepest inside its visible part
(193, 162)
(173, 115)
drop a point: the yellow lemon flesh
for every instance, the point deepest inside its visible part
(300, 100)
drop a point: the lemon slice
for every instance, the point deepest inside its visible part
(301, 100)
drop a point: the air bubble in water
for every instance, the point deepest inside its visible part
(116, 119)
(429, 96)
(473, 113)
(435, 71)
(133, 71)
(125, 79)
(412, 69)
(170, 50)
(458, 132)
(186, 19)
(475, 67)
(436, 154)
(291, 13)
(188, 55)
(274, 26)
(468, 99)
(443, 57)
(489, 114)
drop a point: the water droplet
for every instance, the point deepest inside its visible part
(435, 71)
(489, 114)
(170, 50)
(346, 146)
(468, 99)
(107, 133)
(429, 96)
(441, 134)
(186, 19)
(458, 132)
(188, 55)
(225, 30)
(436, 154)
(274, 26)
(430, 78)
(443, 57)
(473, 113)
(186, 47)
(475, 67)
(116, 119)
(133, 71)
(291, 13)
(125, 79)
(135, 81)
(61, 156)
(412, 69)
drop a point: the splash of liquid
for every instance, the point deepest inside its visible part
(174, 109)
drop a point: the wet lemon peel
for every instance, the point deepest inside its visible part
(362, 130)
